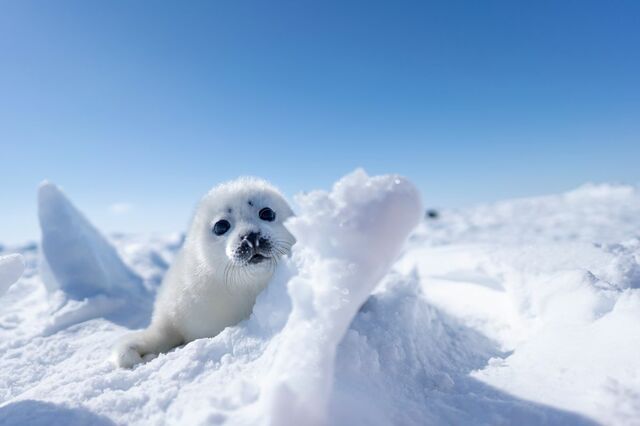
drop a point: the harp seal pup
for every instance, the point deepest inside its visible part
(234, 242)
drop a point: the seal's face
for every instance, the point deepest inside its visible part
(240, 229)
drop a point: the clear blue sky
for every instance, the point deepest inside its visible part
(151, 103)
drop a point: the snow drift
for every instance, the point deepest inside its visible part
(520, 312)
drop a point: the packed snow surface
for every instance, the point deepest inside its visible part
(519, 312)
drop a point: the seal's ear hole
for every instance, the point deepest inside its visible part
(267, 214)
(221, 227)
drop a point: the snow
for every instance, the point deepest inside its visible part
(518, 312)
(348, 239)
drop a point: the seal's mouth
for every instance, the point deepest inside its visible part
(257, 258)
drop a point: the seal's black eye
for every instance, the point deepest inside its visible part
(267, 214)
(221, 227)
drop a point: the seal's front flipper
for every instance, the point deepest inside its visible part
(143, 346)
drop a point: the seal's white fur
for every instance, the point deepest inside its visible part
(208, 288)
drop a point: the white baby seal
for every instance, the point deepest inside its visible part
(229, 255)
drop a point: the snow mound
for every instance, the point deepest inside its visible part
(81, 270)
(404, 361)
(347, 240)
(11, 269)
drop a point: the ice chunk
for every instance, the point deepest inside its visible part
(83, 263)
(11, 269)
(78, 262)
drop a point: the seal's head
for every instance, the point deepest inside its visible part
(238, 230)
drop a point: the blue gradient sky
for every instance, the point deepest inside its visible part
(151, 103)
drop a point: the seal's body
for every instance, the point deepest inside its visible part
(229, 255)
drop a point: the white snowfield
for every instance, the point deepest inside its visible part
(518, 312)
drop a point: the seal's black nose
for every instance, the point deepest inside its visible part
(256, 240)
(252, 238)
